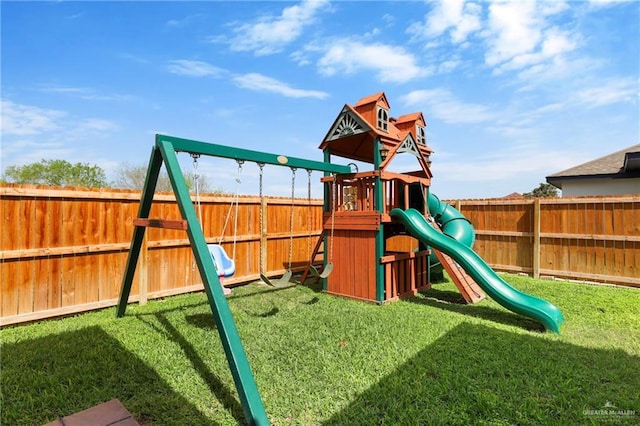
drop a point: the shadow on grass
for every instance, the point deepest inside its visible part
(219, 389)
(263, 289)
(453, 302)
(480, 375)
(444, 295)
(58, 375)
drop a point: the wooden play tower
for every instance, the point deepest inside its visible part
(372, 259)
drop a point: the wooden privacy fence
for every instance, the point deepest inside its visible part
(64, 250)
(583, 238)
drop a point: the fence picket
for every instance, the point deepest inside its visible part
(63, 250)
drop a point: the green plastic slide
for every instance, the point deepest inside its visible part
(522, 303)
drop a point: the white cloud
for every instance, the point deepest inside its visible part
(183, 22)
(86, 93)
(390, 63)
(195, 68)
(262, 83)
(22, 120)
(250, 81)
(589, 96)
(442, 104)
(95, 125)
(613, 91)
(607, 3)
(520, 36)
(461, 18)
(270, 34)
(524, 37)
(388, 19)
(511, 164)
(31, 133)
(28, 120)
(516, 29)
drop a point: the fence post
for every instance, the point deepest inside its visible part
(536, 238)
(263, 236)
(143, 270)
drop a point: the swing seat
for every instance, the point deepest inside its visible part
(325, 272)
(225, 266)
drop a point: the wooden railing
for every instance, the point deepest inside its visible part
(356, 192)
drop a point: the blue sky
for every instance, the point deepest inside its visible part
(511, 91)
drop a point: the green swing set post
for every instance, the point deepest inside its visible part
(165, 151)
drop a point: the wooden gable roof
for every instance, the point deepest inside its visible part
(415, 117)
(354, 132)
(378, 98)
(350, 136)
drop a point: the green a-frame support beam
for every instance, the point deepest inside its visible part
(164, 150)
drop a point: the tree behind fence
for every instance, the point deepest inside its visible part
(64, 250)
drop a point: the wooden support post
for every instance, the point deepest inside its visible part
(406, 196)
(327, 205)
(536, 238)
(263, 235)
(153, 171)
(143, 269)
(379, 206)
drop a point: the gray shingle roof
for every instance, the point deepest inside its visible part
(608, 165)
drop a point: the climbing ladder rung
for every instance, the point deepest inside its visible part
(313, 261)
(467, 286)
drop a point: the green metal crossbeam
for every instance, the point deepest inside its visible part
(205, 148)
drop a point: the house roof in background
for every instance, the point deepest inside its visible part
(612, 165)
(513, 195)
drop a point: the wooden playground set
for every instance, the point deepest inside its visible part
(383, 232)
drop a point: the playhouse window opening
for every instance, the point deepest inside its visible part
(421, 136)
(383, 119)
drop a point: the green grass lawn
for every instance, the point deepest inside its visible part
(320, 359)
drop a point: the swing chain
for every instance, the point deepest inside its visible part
(334, 202)
(240, 163)
(235, 219)
(234, 201)
(260, 261)
(309, 211)
(195, 157)
(196, 182)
